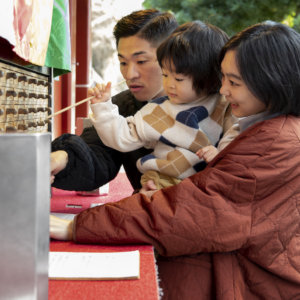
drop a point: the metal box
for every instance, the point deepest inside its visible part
(24, 215)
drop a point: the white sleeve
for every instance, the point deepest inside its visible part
(231, 129)
(114, 130)
(229, 136)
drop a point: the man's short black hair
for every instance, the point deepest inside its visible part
(149, 24)
(193, 50)
(268, 59)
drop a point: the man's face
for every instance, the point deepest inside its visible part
(139, 66)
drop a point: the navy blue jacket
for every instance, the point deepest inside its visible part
(91, 164)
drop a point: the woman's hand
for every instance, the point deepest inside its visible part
(149, 188)
(101, 92)
(61, 229)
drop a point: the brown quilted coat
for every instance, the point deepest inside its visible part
(231, 231)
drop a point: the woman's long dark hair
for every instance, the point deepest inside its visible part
(268, 59)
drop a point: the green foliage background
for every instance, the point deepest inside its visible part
(231, 15)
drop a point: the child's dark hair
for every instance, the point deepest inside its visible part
(268, 59)
(149, 24)
(193, 50)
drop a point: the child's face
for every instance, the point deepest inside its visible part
(243, 102)
(178, 87)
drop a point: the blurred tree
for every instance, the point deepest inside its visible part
(231, 15)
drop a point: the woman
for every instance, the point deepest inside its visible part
(238, 235)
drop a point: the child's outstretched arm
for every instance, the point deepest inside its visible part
(101, 91)
(207, 153)
(114, 130)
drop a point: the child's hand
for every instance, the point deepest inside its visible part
(207, 153)
(101, 92)
(148, 189)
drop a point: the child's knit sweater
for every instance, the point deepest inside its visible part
(174, 131)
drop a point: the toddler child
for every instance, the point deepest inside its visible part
(192, 115)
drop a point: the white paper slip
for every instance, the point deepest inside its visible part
(94, 266)
(65, 216)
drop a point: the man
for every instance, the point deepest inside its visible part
(84, 163)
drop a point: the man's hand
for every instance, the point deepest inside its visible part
(61, 229)
(59, 160)
(101, 92)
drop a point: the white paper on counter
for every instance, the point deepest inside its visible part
(94, 265)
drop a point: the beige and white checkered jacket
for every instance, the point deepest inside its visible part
(174, 131)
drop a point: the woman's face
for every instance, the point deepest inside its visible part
(243, 102)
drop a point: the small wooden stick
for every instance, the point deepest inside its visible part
(69, 107)
(78, 103)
